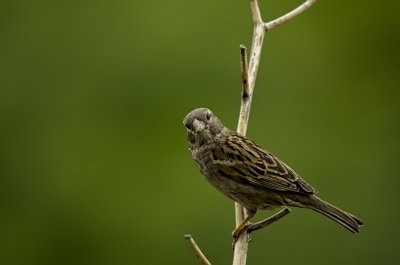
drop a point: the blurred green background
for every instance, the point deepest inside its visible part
(94, 166)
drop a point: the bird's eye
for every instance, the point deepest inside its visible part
(187, 126)
(208, 116)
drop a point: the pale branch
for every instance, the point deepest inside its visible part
(260, 27)
(270, 220)
(197, 250)
(255, 12)
(295, 12)
(241, 245)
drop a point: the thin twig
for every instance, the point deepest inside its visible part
(197, 250)
(300, 9)
(241, 245)
(270, 220)
(260, 27)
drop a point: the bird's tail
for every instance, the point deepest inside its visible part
(349, 221)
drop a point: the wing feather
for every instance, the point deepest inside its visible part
(243, 160)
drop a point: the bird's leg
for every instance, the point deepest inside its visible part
(242, 227)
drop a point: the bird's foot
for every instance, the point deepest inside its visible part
(237, 232)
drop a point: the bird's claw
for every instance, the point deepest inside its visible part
(236, 234)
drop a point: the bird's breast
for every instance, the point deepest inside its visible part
(202, 155)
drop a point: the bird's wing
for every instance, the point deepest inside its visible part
(243, 160)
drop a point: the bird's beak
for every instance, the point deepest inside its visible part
(198, 126)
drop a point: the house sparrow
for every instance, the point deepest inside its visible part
(250, 175)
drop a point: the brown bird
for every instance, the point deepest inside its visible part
(250, 175)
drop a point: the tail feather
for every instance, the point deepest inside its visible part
(349, 221)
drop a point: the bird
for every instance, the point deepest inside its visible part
(249, 174)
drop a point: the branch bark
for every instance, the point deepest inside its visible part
(248, 83)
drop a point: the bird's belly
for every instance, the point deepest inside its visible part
(250, 196)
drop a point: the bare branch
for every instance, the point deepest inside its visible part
(197, 250)
(258, 37)
(255, 12)
(241, 246)
(268, 221)
(300, 9)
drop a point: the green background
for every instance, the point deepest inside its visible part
(94, 166)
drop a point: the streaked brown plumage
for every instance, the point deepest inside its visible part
(250, 175)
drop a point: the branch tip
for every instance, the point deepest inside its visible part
(195, 248)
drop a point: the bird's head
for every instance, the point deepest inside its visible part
(202, 125)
